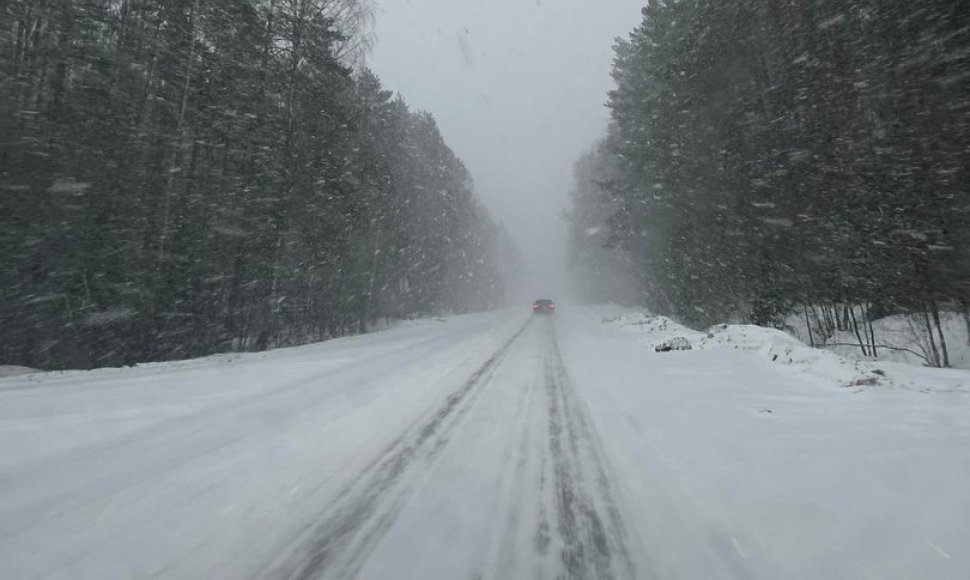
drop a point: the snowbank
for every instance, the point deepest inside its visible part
(782, 348)
(663, 335)
(15, 371)
(227, 359)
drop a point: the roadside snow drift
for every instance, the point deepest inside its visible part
(662, 334)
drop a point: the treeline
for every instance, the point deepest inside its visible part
(182, 177)
(767, 158)
(597, 271)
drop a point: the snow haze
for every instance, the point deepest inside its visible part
(500, 77)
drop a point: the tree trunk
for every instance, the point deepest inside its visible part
(935, 310)
(828, 318)
(60, 69)
(808, 325)
(179, 138)
(872, 329)
(935, 354)
(855, 327)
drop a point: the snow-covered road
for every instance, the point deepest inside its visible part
(498, 445)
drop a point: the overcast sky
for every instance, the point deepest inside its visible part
(518, 88)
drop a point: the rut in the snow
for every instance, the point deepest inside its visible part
(360, 515)
(592, 533)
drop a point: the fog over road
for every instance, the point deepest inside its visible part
(500, 445)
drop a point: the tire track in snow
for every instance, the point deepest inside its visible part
(590, 532)
(561, 519)
(360, 514)
(523, 455)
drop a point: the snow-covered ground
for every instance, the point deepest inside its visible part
(497, 445)
(784, 466)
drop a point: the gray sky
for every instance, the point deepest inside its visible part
(518, 88)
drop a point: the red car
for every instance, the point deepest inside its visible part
(543, 306)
